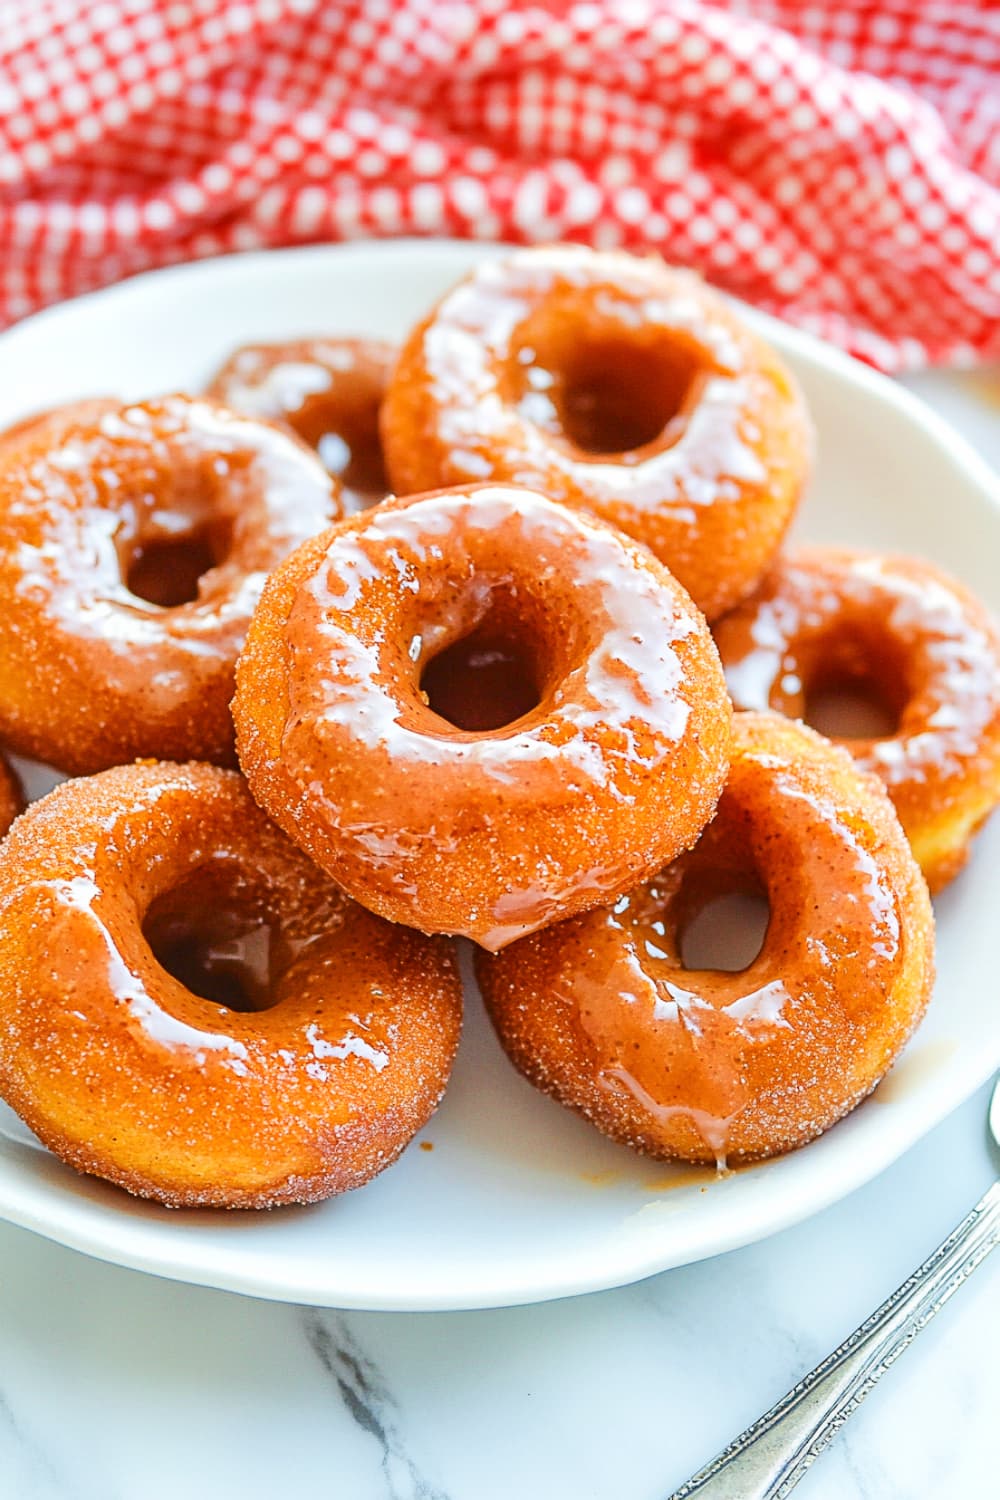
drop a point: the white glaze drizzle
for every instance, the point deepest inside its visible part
(271, 391)
(350, 1045)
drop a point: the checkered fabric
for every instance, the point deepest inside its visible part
(838, 164)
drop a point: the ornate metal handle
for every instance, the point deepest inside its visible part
(767, 1461)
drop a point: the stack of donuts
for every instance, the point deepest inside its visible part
(366, 649)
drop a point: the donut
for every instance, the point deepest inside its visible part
(210, 1022)
(921, 644)
(329, 391)
(605, 752)
(134, 542)
(615, 383)
(714, 1066)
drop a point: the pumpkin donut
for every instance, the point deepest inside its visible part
(209, 1022)
(713, 1066)
(363, 710)
(329, 392)
(134, 542)
(828, 619)
(618, 384)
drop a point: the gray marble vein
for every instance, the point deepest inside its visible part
(369, 1401)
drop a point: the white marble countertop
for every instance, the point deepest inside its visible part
(118, 1386)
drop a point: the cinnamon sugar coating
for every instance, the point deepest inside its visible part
(615, 383)
(129, 1075)
(327, 390)
(134, 542)
(486, 832)
(717, 1066)
(832, 618)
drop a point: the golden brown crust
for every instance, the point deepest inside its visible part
(708, 1065)
(914, 637)
(496, 382)
(95, 497)
(488, 834)
(329, 391)
(127, 1074)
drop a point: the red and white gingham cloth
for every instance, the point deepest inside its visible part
(836, 163)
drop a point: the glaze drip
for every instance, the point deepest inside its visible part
(678, 1040)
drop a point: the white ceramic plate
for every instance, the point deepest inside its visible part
(519, 1201)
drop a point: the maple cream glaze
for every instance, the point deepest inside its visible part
(485, 832)
(134, 543)
(828, 618)
(616, 383)
(713, 1066)
(128, 1074)
(328, 391)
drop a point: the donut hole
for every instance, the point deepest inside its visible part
(851, 710)
(167, 570)
(354, 455)
(605, 394)
(727, 932)
(484, 681)
(856, 689)
(346, 436)
(615, 396)
(709, 910)
(216, 941)
(330, 395)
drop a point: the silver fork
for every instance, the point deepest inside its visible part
(767, 1461)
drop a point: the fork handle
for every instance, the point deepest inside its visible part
(767, 1461)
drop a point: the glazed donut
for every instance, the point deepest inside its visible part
(605, 752)
(209, 1022)
(614, 383)
(329, 391)
(828, 619)
(134, 542)
(713, 1066)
